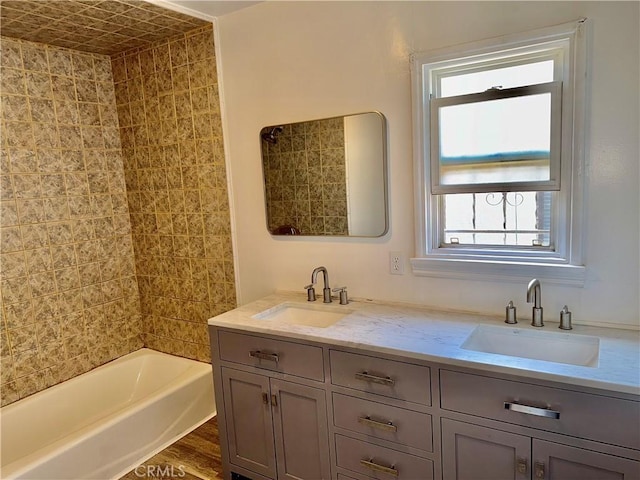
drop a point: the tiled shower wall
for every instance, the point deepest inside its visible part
(305, 178)
(70, 289)
(69, 292)
(169, 113)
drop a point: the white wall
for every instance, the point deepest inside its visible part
(292, 61)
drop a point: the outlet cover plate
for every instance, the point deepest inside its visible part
(396, 263)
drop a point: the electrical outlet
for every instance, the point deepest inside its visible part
(396, 263)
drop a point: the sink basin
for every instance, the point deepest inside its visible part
(320, 316)
(538, 345)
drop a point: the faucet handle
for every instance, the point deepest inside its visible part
(344, 300)
(565, 319)
(510, 313)
(311, 292)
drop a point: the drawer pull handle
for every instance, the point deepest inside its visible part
(386, 426)
(539, 470)
(375, 379)
(529, 410)
(371, 465)
(272, 357)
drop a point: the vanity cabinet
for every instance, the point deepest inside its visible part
(280, 356)
(381, 376)
(376, 461)
(382, 429)
(473, 452)
(600, 418)
(554, 461)
(274, 428)
(469, 449)
(293, 409)
(247, 399)
(381, 421)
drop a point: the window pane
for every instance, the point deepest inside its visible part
(508, 77)
(508, 219)
(504, 140)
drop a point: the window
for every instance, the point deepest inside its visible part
(499, 154)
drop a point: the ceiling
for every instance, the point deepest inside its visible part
(97, 26)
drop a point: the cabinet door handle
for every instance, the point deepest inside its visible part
(375, 379)
(539, 470)
(529, 410)
(272, 357)
(265, 398)
(371, 465)
(274, 400)
(521, 465)
(386, 426)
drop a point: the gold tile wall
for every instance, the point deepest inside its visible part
(168, 106)
(95, 26)
(305, 178)
(69, 294)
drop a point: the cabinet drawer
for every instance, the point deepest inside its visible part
(379, 462)
(383, 421)
(389, 378)
(594, 417)
(276, 355)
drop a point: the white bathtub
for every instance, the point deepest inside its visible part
(104, 423)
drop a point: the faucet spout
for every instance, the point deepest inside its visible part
(534, 295)
(326, 291)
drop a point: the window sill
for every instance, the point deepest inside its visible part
(499, 271)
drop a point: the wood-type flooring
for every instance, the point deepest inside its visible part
(195, 456)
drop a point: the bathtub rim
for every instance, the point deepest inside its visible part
(162, 447)
(195, 371)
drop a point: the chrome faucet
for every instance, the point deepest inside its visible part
(534, 295)
(326, 291)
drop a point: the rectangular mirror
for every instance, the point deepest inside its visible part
(326, 177)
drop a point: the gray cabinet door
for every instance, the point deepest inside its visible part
(553, 461)
(300, 427)
(471, 452)
(249, 421)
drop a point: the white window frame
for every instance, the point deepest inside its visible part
(565, 263)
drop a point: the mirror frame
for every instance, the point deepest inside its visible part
(290, 231)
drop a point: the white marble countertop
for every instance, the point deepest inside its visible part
(437, 336)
